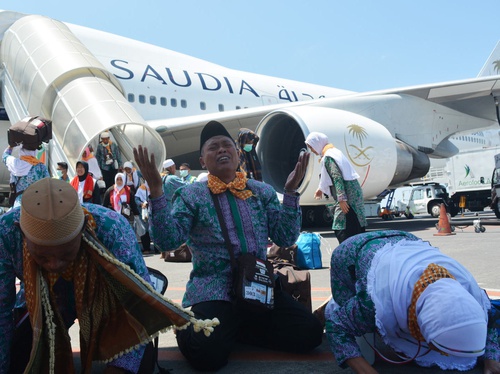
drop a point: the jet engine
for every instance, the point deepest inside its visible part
(379, 159)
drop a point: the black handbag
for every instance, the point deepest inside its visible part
(12, 194)
(295, 282)
(254, 283)
(181, 254)
(253, 278)
(126, 210)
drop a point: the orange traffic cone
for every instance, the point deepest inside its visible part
(443, 226)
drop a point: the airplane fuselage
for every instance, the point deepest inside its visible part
(161, 84)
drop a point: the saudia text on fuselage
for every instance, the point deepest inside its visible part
(207, 82)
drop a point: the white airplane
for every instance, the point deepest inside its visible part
(87, 81)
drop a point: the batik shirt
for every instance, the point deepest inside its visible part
(170, 184)
(194, 219)
(343, 190)
(112, 230)
(349, 277)
(101, 152)
(37, 172)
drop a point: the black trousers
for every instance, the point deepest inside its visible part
(109, 177)
(352, 227)
(146, 242)
(288, 327)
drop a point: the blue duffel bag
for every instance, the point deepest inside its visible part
(309, 251)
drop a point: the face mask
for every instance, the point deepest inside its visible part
(184, 173)
(248, 147)
(59, 173)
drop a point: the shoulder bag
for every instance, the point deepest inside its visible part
(253, 278)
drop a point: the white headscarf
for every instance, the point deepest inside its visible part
(143, 192)
(18, 167)
(446, 307)
(318, 141)
(458, 328)
(117, 202)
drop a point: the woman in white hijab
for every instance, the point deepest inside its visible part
(24, 171)
(339, 180)
(425, 305)
(118, 198)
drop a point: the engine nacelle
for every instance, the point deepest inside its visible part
(379, 159)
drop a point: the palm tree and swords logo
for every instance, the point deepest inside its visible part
(360, 154)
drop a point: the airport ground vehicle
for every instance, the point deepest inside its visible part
(469, 178)
(467, 174)
(427, 198)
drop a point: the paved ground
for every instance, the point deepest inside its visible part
(479, 252)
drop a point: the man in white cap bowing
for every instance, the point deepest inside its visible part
(109, 159)
(75, 261)
(251, 213)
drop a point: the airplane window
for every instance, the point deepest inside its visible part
(203, 106)
(184, 104)
(142, 99)
(238, 107)
(152, 100)
(221, 107)
(173, 102)
(163, 101)
(131, 97)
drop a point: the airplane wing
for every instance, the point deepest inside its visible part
(475, 97)
(472, 97)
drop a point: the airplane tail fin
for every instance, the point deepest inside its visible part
(492, 64)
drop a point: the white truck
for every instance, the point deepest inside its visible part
(468, 177)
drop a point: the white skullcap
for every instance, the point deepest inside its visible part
(168, 163)
(128, 164)
(202, 177)
(105, 134)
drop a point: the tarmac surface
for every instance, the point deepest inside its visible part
(478, 252)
